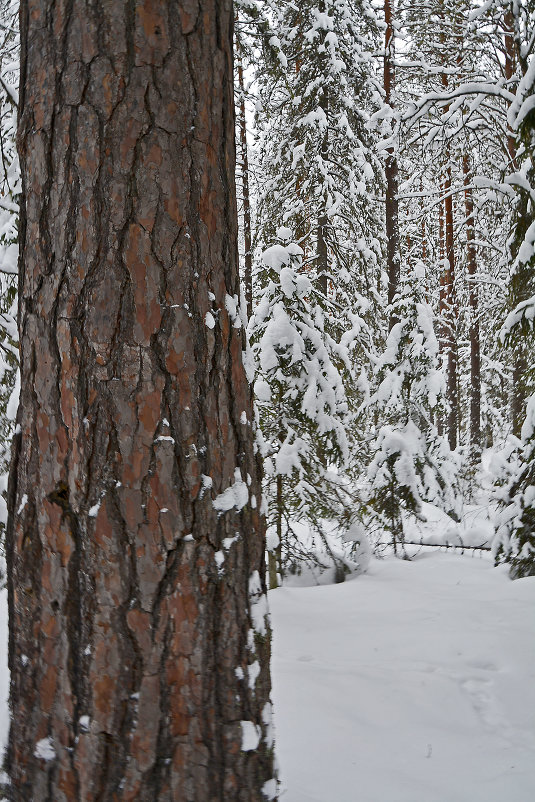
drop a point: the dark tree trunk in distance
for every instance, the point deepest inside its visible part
(391, 165)
(520, 281)
(442, 293)
(475, 350)
(135, 543)
(323, 256)
(323, 220)
(451, 316)
(448, 300)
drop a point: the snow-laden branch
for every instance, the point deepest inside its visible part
(416, 110)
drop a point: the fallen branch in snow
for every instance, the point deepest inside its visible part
(447, 545)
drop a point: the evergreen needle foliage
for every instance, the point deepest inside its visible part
(302, 404)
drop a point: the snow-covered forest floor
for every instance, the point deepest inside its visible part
(412, 683)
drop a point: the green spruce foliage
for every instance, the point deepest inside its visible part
(302, 404)
(412, 463)
(515, 525)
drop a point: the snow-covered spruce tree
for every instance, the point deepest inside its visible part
(318, 165)
(301, 401)
(515, 521)
(412, 463)
(252, 34)
(515, 529)
(319, 177)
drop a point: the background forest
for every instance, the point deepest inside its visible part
(387, 205)
(386, 199)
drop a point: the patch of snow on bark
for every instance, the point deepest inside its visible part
(23, 503)
(94, 510)
(269, 789)
(254, 671)
(250, 736)
(235, 496)
(267, 718)
(44, 749)
(259, 605)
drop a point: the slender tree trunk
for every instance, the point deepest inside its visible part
(519, 393)
(323, 220)
(272, 570)
(275, 554)
(135, 543)
(323, 256)
(424, 236)
(475, 350)
(280, 514)
(451, 315)
(391, 164)
(441, 259)
(449, 300)
(520, 283)
(509, 69)
(442, 293)
(247, 236)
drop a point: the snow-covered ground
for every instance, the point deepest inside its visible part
(412, 683)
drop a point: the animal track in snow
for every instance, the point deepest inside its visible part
(482, 701)
(484, 665)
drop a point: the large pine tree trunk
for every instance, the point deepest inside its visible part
(135, 543)
(246, 200)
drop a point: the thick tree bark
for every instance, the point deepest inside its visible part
(391, 165)
(475, 348)
(139, 648)
(247, 235)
